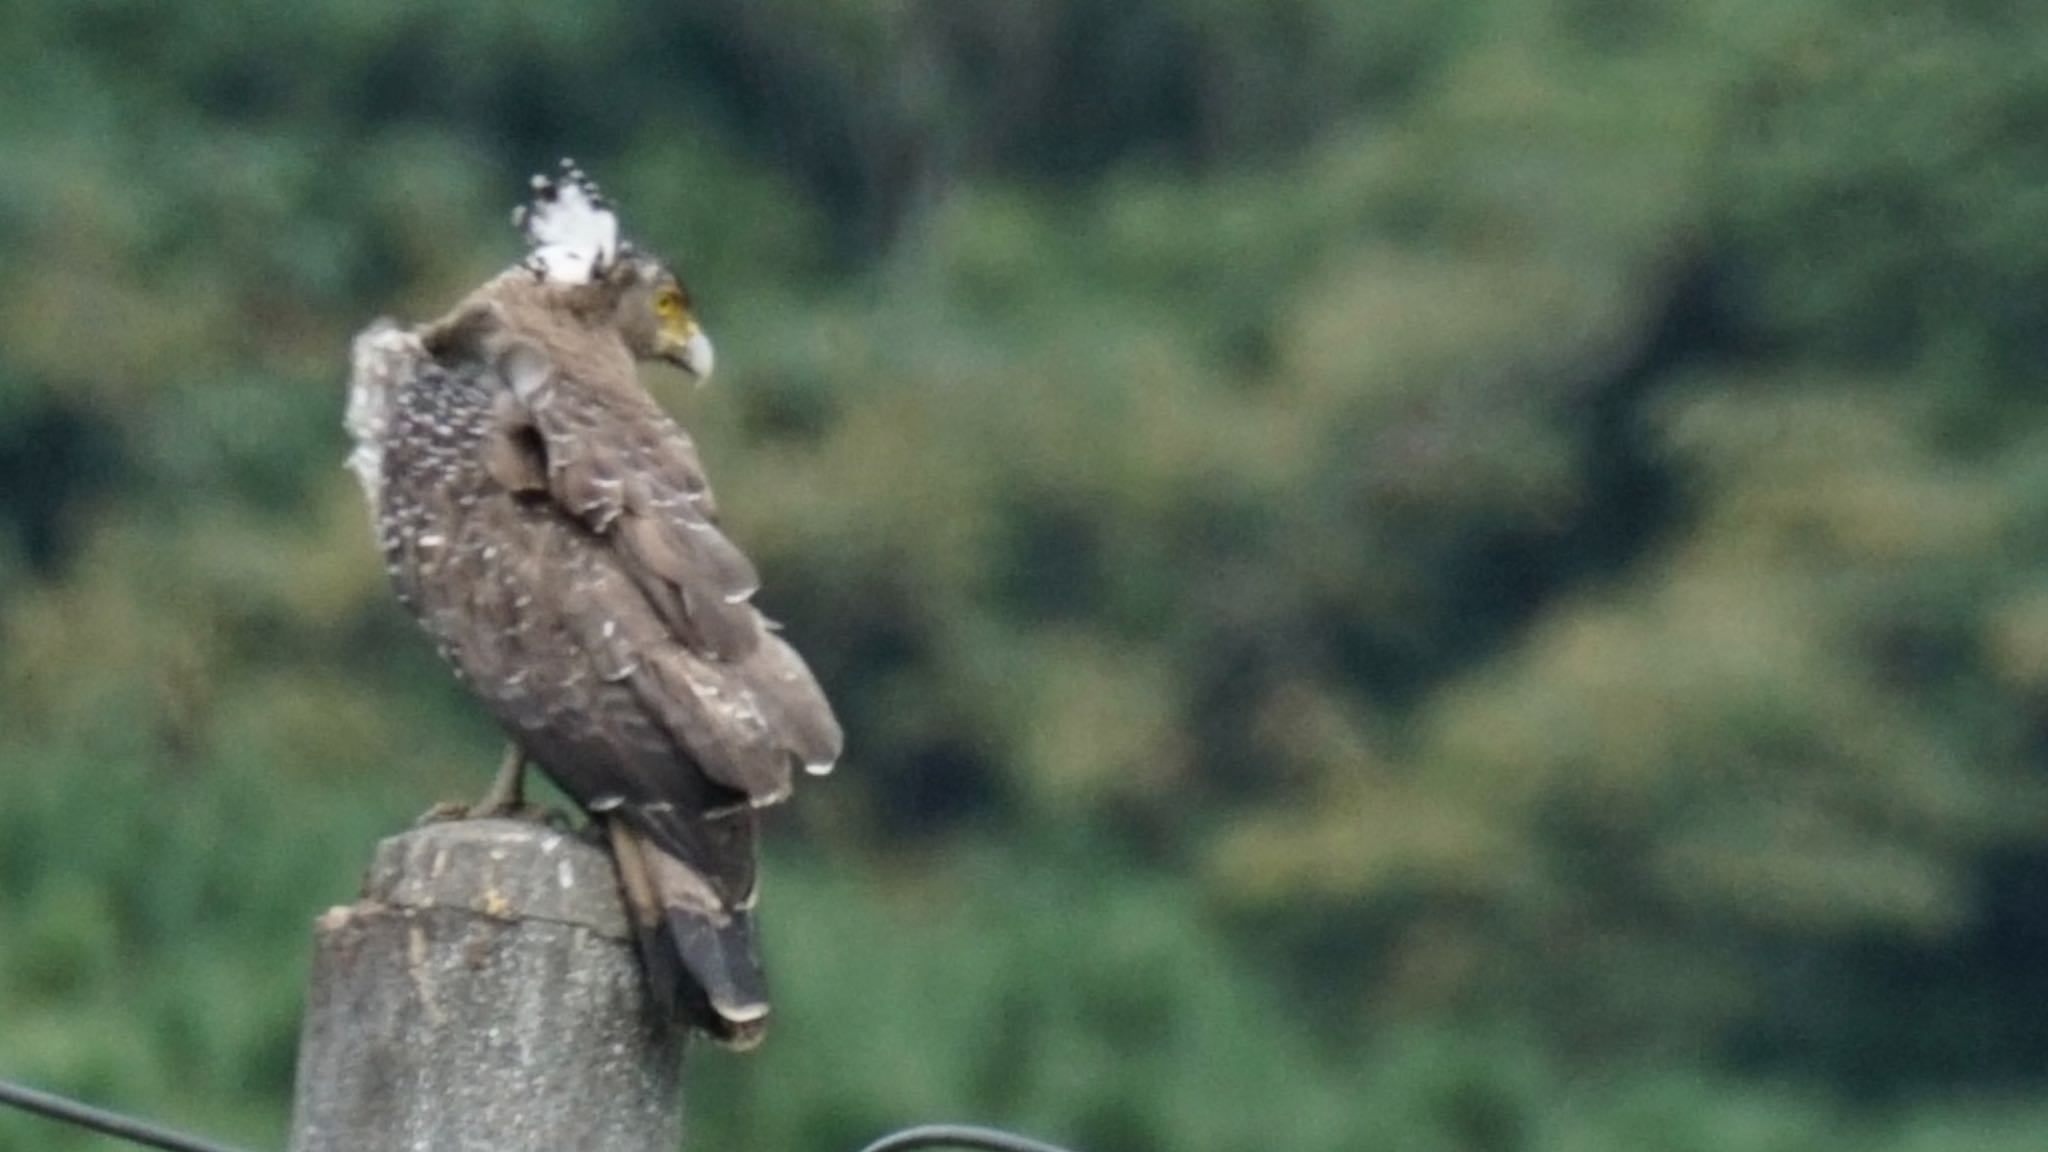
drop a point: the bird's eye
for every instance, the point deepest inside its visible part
(669, 303)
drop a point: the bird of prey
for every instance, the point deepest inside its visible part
(551, 528)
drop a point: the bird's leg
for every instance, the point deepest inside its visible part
(506, 797)
(508, 788)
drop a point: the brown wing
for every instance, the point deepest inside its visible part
(737, 698)
(617, 462)
(535, 613)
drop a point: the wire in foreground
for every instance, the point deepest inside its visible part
(958, 1136)
(151, 1136)
(103, 1121)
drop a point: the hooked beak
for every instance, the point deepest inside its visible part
(693, 354)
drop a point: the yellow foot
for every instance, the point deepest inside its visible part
(442, 813)
(553, 818)
(449, 810)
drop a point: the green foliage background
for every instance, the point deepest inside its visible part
(1427, 576)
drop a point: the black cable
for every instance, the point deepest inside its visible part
(958, 1136)
(150, 1136)
(102, 1121)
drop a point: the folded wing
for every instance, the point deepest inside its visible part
(701, 657)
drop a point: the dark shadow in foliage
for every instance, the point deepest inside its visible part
(1939, 1029)
(54, 457)
(790, 406)
(1054, 567)
(1498, 579)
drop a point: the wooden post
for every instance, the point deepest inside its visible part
(484, 995)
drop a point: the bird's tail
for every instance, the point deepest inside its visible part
(702, 958)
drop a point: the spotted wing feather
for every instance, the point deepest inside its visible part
(736, 697)
(618, 463)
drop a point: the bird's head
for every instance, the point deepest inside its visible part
(652, 311)
(572, 233)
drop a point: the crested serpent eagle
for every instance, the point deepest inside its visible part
(551, 529)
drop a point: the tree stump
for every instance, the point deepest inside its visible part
(484, 996)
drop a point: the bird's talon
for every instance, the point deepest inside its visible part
(442, 813)
(551, 818)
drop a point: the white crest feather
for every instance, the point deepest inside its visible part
(570, 227)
